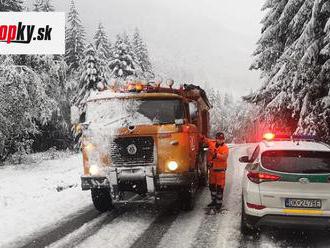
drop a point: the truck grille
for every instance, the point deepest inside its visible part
(132, 151)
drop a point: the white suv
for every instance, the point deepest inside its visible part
(286, 183)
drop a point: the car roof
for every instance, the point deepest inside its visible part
(294, 145)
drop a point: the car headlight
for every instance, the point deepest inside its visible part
(94, 170)
(172, 165)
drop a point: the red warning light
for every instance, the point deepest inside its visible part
(269, 136)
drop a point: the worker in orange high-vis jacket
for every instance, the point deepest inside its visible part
(217, 163)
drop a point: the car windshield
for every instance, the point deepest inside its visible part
(309, 162)
(135, 111)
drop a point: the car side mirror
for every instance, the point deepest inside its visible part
(244, 159)
(75, 115)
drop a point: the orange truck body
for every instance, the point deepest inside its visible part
(178, 142)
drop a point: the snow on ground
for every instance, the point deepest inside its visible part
(229, 232)
(196, 229)
(72, 239)
(35, 196)
(183, 230)
(189, 229)
(121, 232)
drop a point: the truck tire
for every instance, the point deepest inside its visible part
(102, 199)
(202, 171)
(186, 200)
(203, 180)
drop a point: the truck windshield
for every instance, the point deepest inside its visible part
(309, 162)
(135, 111)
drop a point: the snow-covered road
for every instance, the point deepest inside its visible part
(172, 228)
(37, 215)
(39, 197)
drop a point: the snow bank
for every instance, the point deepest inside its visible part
(38, 195)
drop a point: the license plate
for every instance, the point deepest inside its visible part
(303, 203)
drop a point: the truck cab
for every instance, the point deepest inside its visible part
(145, 140)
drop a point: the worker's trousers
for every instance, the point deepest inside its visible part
(217, 178)
(216, 194)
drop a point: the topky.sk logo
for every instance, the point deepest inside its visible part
(21, 33)
(32, 33)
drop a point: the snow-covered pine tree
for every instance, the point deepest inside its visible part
(89, 75)
(313, 100)
(123, 64)
(43, 6)
(11, 5)
(101, 41)
(75, 39)
(103, 52)
(25, 106)
(293, 68)
(235, 118)
(142, 56)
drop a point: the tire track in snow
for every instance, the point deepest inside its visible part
(153, 235)
(215, 230)
(183, 230)
(88, 229)
(123, 231)
(229, 225)
(207, 231)
(52, 234)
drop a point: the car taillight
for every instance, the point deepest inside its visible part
(255, 206)
(259, 177)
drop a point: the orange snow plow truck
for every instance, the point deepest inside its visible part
(143, 142)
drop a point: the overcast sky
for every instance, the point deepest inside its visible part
(203, 41)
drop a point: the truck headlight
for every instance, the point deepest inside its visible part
(89, 147)
(172, 165)
(94, 170)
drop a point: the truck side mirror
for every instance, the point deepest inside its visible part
(193, 112)
(75, 115)
(244, 159)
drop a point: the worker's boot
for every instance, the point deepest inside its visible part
(218, 207)
(219, 197)
(212, 204)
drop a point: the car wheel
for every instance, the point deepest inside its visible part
(245, 228)
(102, 199)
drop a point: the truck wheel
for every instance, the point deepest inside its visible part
(186, 200)
(202, 171)
(203, 180)
(246, 230)
(102, 199)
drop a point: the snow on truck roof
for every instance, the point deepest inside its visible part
(294, 145)
(108, 94)
(138, 90)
